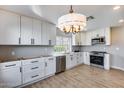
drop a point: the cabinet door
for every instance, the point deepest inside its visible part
(88, 38)
(76, 39)
(26, 30)
(9, 28)
(44, 36)
(108, 36)
(81, 57)
(101, 32)
(10, 77)
(50, 67)
(51, 32)
(86, 58)
(36, 32)
(68, 61)
(83, 38)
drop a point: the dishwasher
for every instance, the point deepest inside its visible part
(60, 64)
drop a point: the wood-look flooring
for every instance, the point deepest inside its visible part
(83, 76)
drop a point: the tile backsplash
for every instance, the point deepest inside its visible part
(8, 52)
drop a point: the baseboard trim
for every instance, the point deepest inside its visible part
(119, 68)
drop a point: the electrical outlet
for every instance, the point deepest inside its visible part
(13, 53)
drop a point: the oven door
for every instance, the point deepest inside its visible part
(97, 60)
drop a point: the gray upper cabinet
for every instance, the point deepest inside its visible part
(9, 28)
(36, 39)
(26, 31)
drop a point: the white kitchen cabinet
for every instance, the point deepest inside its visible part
(108, 35)
(81, 57)
(50, 66)
(76, 39)
(48, 34)
(26, 30)
(72, 60)
(36, 37)
(10, 74)
(77, 58)
(97, 33)
(68, 61)
(33, 69)
(107, 61)
(51, 32)
(88, 38)
(44, 34)
(83, 38)
(9, 28)
(87, 58)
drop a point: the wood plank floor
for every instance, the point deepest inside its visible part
(83, 77)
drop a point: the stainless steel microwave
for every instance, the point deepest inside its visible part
(98, 40)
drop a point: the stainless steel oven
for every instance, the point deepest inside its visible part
(97, 58)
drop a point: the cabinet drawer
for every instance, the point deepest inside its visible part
(32, 61)
(8, 65)
(28, 77)
(33, 67)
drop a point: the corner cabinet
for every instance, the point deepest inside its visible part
(9, 28)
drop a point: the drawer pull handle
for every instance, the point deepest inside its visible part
(34, 61)
(34, 68)
(50, 58)
(10, 65)
(34, 76)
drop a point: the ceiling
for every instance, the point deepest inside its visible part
(104, 14)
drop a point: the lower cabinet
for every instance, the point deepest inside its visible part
(32, 69)
(74, 59)
(86, 58)
(50, 66)
(107, 62)
(10, 74)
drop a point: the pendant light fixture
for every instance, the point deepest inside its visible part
(72, 22)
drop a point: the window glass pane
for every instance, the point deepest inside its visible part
(63, 44)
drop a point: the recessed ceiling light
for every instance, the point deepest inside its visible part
(116, 7)
(121, 21)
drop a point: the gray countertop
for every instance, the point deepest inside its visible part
(2, 60)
